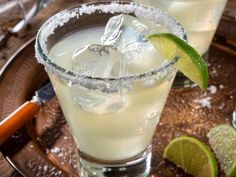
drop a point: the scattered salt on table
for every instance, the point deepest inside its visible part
(55, 150)
(212, 89)
(205, 102)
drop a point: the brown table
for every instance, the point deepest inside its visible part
(14, 42)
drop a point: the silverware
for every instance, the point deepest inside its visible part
(38, 6)
(25, 112)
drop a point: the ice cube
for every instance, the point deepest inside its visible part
(128, 34)
(96, 60)
(121, 30)
(98, 102)
(112, 33)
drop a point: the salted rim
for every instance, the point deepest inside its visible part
(59, 19)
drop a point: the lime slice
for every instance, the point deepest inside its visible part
(192, 155)
(190, 63)
(222, 139)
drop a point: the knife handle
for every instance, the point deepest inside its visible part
(17, 119)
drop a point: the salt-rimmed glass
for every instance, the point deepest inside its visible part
(113, 138)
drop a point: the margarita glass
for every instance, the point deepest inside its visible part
(113, 117)
(200, 18)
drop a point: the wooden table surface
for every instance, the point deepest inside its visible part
(14, 42)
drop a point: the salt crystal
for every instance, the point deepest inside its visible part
(149, 82)
(55, 150)
(212, 89)
(47, 151)
(60, 155)
(205, 102)
(45, 168)
(214, 71)
(221, 106)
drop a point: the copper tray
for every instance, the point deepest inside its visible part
(44, 147)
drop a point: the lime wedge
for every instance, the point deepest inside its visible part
(190, 63)
(222, 139)
(192, 155)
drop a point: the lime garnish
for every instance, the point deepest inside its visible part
(190, 63)
(222, 139)
(192, 155)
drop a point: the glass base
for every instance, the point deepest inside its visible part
(137, 167)
(181, 81)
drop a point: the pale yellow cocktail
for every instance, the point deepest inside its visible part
(111, 82)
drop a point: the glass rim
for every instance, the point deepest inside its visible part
(44, 59)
